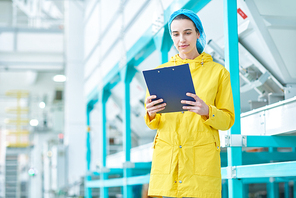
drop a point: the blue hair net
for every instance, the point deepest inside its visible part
(201, 42)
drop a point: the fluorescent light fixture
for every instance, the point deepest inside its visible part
(42, 105)
(59, 78)
(34, 122)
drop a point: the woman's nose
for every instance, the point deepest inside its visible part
(182, 38)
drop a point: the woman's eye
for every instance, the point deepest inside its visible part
(188, 33)
(175, 34)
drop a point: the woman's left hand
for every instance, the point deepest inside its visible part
(199, 106)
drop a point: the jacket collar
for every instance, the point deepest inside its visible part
(200, 60)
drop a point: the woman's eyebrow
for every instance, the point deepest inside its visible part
(183, 30)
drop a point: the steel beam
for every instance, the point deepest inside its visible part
(259, 65)
(88, 193)
(273, 190)
(32, 30)
(224, 189)
(258, 21)
(127, 74)
(163, 43)
(234, 155)
(246, 190)
(287, 190)
(281, 169)
(271, 141)
(34, 63)
(105, 183)
(136, 180)
(267, 180)
(259, 141)
(261, 157)
(104, 95)
(294, 188)
(109, 171)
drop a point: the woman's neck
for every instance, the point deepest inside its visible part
(191, 55)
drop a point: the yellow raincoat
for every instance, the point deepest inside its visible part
(186, 157)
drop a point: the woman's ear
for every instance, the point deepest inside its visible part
(198, 35)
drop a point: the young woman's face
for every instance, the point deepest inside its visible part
(184, 35)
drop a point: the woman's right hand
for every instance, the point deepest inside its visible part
(153, 106)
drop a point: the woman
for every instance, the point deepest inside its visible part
(186, 157)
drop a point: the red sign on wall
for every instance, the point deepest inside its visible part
(241, 13)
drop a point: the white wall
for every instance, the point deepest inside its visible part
(75, 107)
(5, 13)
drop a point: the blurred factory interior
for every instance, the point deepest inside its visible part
(72, 95)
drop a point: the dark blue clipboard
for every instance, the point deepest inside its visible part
(171, 84)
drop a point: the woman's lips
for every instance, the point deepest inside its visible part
(183, 46)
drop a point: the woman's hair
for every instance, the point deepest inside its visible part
(182, 16)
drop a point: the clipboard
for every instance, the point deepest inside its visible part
(171, 84)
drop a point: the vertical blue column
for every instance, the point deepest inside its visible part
(163, 43)
(246, 190)
(294, 189)
(127, 75)
(287, 190)
(273, 190)
(294, 182)
(87, 191)
(103, 143)
(127, 190)
(234, 155)
(272, 187)
(224, 189)
(164, 56)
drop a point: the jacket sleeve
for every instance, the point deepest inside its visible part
(152, 124)
(221, 115)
